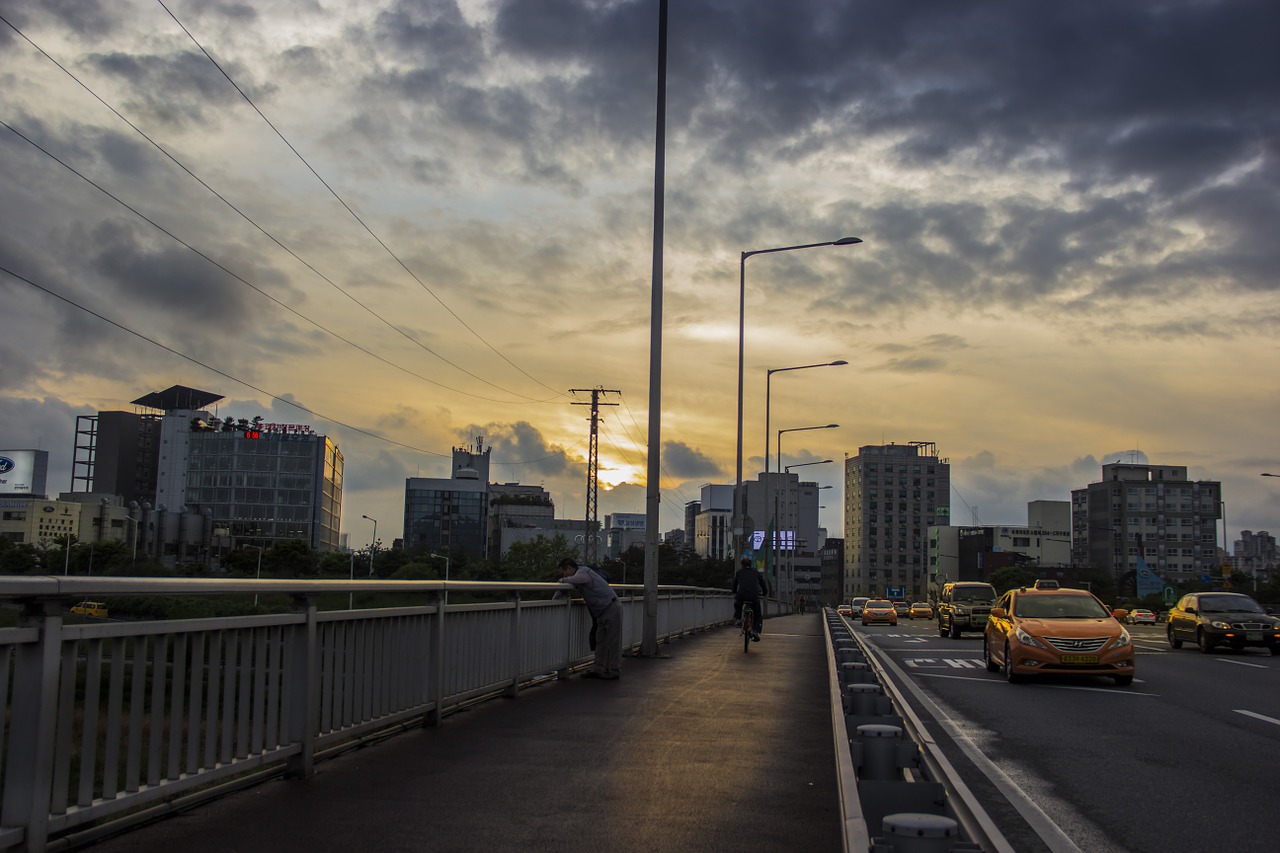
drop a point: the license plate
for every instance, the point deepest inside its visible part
(1252, 636)
(1079, 658)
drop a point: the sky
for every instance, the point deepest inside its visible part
(411, 225)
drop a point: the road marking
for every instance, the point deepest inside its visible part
(1258, 716)
(1244, 663)
(954, 663)
(1115, 691)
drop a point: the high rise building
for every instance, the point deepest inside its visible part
(451, 515)
(893, 494)
(197, 485)
(1152, 508)
(1255, 555)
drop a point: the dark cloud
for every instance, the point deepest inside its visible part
(522, 454)
(180, 88)
(686, 463)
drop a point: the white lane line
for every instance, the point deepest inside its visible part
(1244, 663)
(1264, 719)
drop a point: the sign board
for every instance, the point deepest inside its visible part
(1169, 594)
(23, 472)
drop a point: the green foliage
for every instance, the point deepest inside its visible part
(18, 558)
(536, 560)
(1011, 577)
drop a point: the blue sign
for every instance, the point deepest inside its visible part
(6, 464)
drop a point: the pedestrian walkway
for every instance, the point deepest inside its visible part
(704, 748)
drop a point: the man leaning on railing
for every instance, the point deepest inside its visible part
(606, 617)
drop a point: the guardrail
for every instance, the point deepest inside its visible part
(898, 791)
(106, 723)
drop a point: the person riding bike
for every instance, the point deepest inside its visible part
(749, 585)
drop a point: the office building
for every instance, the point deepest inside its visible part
(893, 494)
(451, 516)
(1155, 508)
(1254, 554)
(972, 553)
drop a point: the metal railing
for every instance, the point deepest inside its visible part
(105, 721)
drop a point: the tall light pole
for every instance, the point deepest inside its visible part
(742, 312)
(446, 574)
(258, 574)
(774, 543)
(373, 543)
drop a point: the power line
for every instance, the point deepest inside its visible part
(263, 230)
(236, 276)
(348, 208)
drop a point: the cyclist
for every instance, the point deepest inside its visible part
(749, 585)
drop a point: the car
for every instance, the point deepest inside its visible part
(902, 608)
(91, 608)
(1140, 617)
(921, 610)
(1233, 619)
(855, 606)
(1037, 632)
(844, 610)
(879, 611)
(963, 606)
(1047, 584)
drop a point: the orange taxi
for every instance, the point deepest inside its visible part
(1057, 632)
(920, 610)
(879, 610)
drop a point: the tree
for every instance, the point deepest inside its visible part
(537, 560)
(1012, 577)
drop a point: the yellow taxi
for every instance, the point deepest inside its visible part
(1057, 632)
(91, 608)
(879, 610)
(920, 610)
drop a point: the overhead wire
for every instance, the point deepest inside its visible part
(229, 272)
(348, 207)
(271, 236)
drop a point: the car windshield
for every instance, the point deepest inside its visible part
(970, 594)
(1230, 604)
(878, 603)
(1058, 607)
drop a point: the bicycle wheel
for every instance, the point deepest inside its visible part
(748, 625)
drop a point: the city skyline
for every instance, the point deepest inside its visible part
(1067, 214)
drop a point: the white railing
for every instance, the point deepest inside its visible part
(105, 721)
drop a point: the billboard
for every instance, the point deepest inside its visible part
(23, 472)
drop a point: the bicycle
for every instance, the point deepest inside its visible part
(748, 624)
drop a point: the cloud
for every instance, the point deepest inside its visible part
(686, 463)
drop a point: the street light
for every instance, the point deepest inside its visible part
(787, 468)
(258, 574)
(773, 545)
(373, 543)
(742, 310)
(446, 574)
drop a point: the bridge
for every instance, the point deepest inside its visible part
(404, 724)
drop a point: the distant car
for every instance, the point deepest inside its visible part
(921, 610)
(844, 610)
(1211, 619)
(1162, 616)
(91, 608)
(855, 606)
(1140, 617)
(1047, 584)
(1034, 632)
(879, 611)
(902, 608)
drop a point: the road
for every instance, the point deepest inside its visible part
(1186, 758)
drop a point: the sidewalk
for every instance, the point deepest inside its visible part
(705, 749)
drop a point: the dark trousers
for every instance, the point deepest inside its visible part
(755, 605)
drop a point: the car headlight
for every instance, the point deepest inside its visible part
(1028, 640)
(1219, 624)
(1123, 640)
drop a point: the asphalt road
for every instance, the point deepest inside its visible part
(1186, 758)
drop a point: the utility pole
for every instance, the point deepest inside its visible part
(590, 550)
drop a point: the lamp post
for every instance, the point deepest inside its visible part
(742, 308)
(774, 543)
(258, 574)
(446, 574)
(373, 543)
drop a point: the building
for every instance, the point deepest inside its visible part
(513, 507)
(831, 556)
(1153, 508)
(623, 531)
(789, 506)
(1042, 544)
(196, 485)
(713, 530)
(451, 516)
(1254, 554)
(893, 494)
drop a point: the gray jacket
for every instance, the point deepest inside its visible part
(595, 590)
